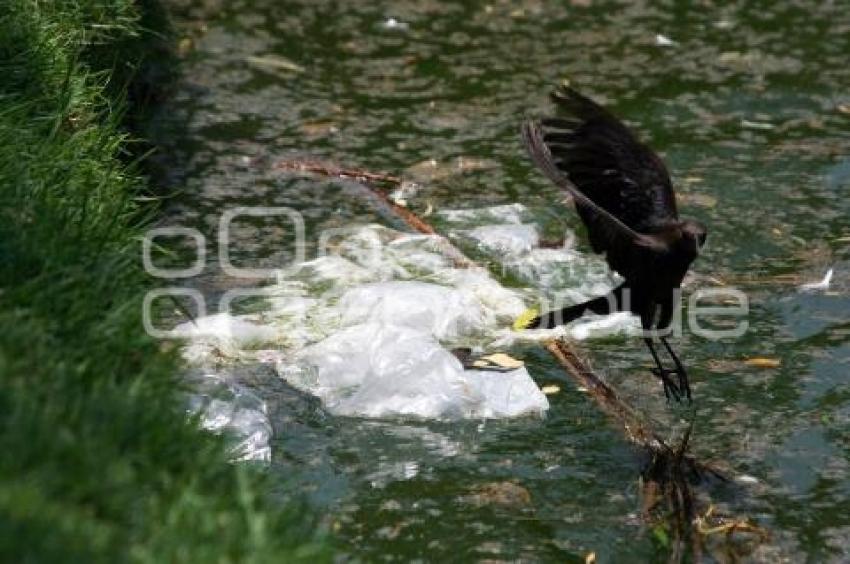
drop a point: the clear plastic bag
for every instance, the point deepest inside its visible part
(385, 370)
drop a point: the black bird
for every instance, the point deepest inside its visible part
(623, 194)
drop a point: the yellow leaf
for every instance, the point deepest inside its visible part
(503, 360)
(761, 362)
(525, 318)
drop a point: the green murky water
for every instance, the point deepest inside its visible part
(749, 106)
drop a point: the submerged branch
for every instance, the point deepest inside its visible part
(325, 169)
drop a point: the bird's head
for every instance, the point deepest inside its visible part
(693, 235)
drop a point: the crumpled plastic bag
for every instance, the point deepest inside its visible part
(236, 412)
(442, 311)
(385, 370)
(511, 239)
(222, 333)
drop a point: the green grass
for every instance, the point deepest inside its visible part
(99, 462)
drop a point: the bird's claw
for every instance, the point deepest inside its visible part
(670, 387)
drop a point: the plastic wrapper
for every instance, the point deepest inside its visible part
(236, 412)
(367, 329)
(507, 213)
(385, 370)
(441, 311)
(511, 239)
(226, 329)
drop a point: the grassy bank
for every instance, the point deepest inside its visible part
(99, 462)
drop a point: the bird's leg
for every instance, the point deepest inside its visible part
(602, 305)
(684, 384)
(663, 373)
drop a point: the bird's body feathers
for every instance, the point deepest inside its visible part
(624, 196)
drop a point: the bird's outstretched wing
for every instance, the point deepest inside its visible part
(604, 160)
(608, 234)
(602, 157)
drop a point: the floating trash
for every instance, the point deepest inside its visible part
(385, 370)
(235, 412)
(392, 23)
(368, 326)
(512, 239)
(762, 362)
(664, 41)
(818, 286)
(275, 62)
(762, 125)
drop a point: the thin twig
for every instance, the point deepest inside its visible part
(325, 169)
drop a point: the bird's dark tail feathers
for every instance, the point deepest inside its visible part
(602, 305)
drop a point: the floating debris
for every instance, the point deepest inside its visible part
(713, 524)
(525, 318)
(506, 494)
(697, 199)
(319, 128)
(432, 170)
(762, 362)
(762, 125)
(401, 194)
(429, 209)
(507, 213)
(505, 239)
(817, 286)
(551, 389)
(501, 360)
(384, 370)
(392, 23)
(225, 332)
(664, 41)
(275, 62)
(665, 481)
(228, 409)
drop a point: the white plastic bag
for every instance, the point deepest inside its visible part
(385, 370)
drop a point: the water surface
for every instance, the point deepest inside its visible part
(748, 104)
